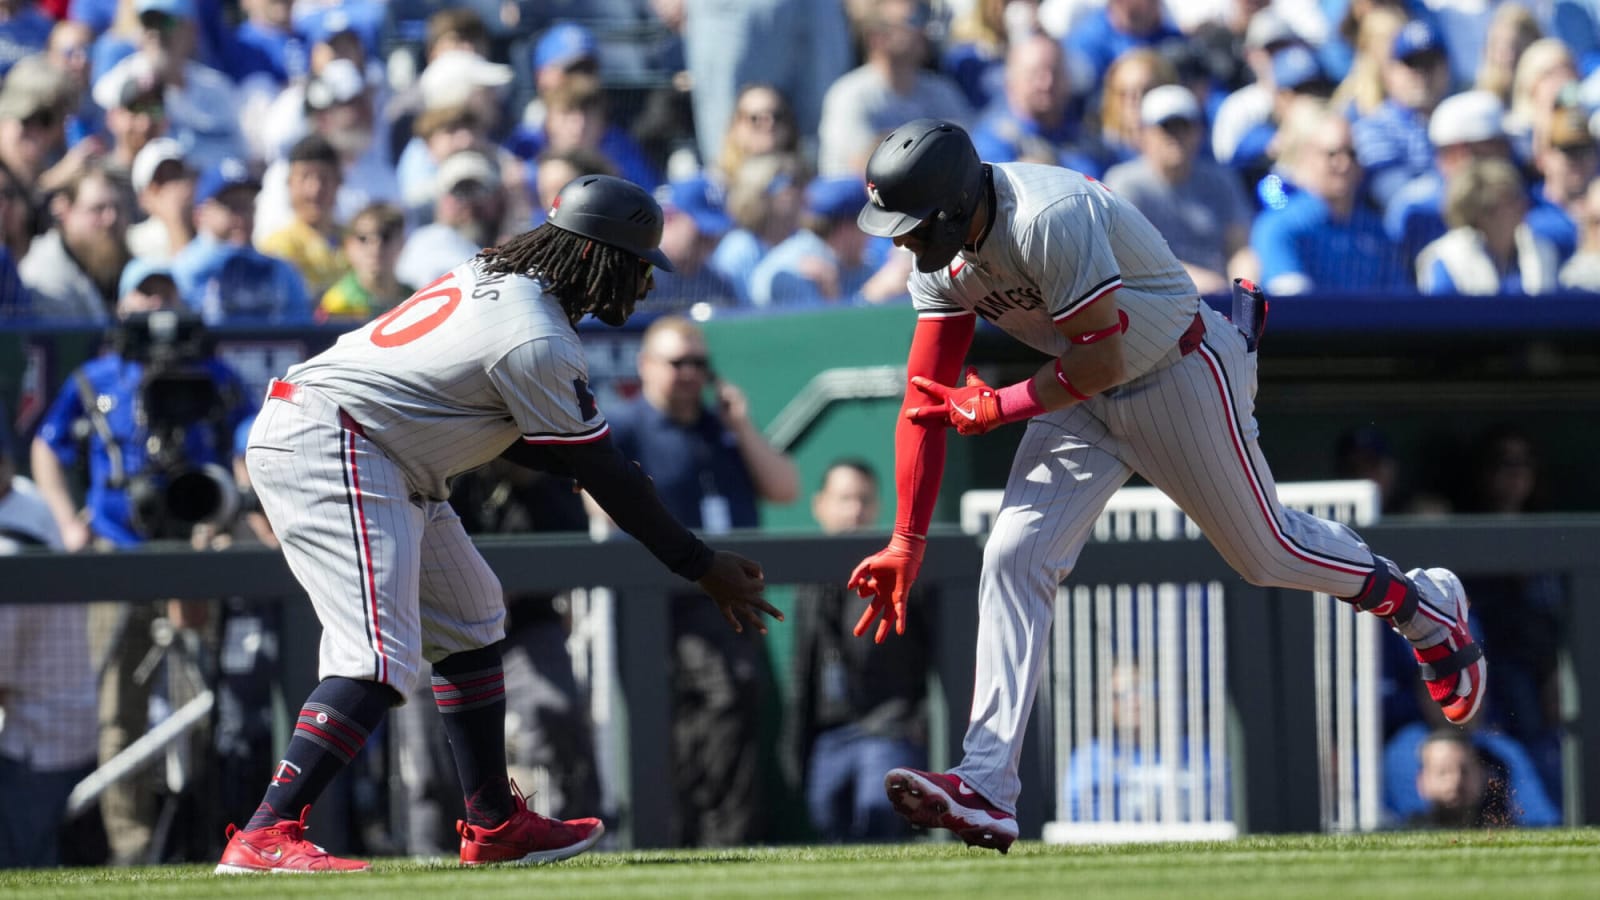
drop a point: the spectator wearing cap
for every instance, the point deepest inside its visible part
(765, 201)
(265, 45)
(1392, 142)
(1030, 121)
(201, 106)
(576, 117)
(1196, 204)
(694, 223)
(800, 47)
(446, 30)
(1318, 236)
(24, 31)
(72, 269)
(310, 240)
(1107, 33)
(339, 109)
(826, 260)
(369, 286)
(146, 285)
(1252, 104)
(163, 187)
(563, 50)
(889, 88)
(34, 101)
(461, 94)
(138, 117)
(219, 273)
(1465, 127)
(273, 118)
(468, 215)
(47, 686)
(1489, 249)
(1296, 74)
(1567, 159)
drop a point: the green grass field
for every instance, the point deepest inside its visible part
(1511, 864)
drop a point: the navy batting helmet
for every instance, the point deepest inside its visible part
(925, 172)
(612, 211)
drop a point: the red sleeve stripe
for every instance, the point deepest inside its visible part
(582, 437)
(1090, 296)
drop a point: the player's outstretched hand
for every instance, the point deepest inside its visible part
(736, 585)
(972, 409)
(885, 578)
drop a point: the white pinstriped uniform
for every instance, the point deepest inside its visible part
(441, 385)
(1185, 422)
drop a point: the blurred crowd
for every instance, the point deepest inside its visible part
(293, 161)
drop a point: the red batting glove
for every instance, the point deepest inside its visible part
(973, 409)
(885, 578)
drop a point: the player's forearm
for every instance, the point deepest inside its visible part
(1080, 373)
(919, 456)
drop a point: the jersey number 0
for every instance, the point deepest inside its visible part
(442, 289)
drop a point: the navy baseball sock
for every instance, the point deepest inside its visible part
(470, 691)
(334, 724)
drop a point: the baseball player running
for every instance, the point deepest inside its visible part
(352, 456)
(1139, 376)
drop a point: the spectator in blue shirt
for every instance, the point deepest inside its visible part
(576, 115)
(1447, 778)
(1568, 159)
(1296, 73)
(266, 44)
(1315, 234)
(219, 273)
(68, 51)
(1392, 142)
(826, 260)
(23, 31)
(765, 202)
(695, 223)
(1031, 120)
(1107, 33)
(1489, 249)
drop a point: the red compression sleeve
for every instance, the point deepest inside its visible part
(937, 348)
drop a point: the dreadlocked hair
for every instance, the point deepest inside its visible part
(587, 276)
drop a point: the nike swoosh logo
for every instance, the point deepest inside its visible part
(957, 267)
(965, 791)
(973, 416)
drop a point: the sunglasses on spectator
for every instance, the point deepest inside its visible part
(703, 363)
(386, 236)
(155, 109)
(155, 21)
(1177, 127)
(44, 118)
(770, 116)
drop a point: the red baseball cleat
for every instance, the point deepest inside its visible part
(1454, 670)
(527, 838)
(280, 849)
(935, 800)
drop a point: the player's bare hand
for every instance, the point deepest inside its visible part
(737, 586)
(971, 409)
(885, 578)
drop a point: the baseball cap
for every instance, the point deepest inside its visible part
(178, 9)
(835, 198)
(1267, 28)
(451, 78)
(1466, 118)
(700, 199)
(137, 270)
(358, 17)
(1296, 67)
(468, 165)
(1415, 38)
(338, 82)
(149, 159)
(229, 173)
(33, 85)
(1169, 101)
(564, 44)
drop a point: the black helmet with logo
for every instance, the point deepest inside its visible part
(925, 171)
(612, 211)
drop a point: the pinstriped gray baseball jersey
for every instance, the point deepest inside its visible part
(449, 379)
(1059, 241)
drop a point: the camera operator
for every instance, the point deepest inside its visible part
(153, 421)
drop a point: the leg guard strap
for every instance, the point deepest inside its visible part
(1450, 665)
(1387, 594)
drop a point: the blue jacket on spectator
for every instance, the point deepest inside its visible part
(615, 144)
(14, 300)
(23, 35)
(1094, 40)
(233, 285)
(1002, 136)
(281, 55)
(1392, 146)
(1401, 763)
(1303, 248)
(1552, 223)
(686, 463)
(118, 380)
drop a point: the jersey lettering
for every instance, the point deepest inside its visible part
(427, 319)
(998, 303)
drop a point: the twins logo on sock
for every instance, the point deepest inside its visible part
(286, 773)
